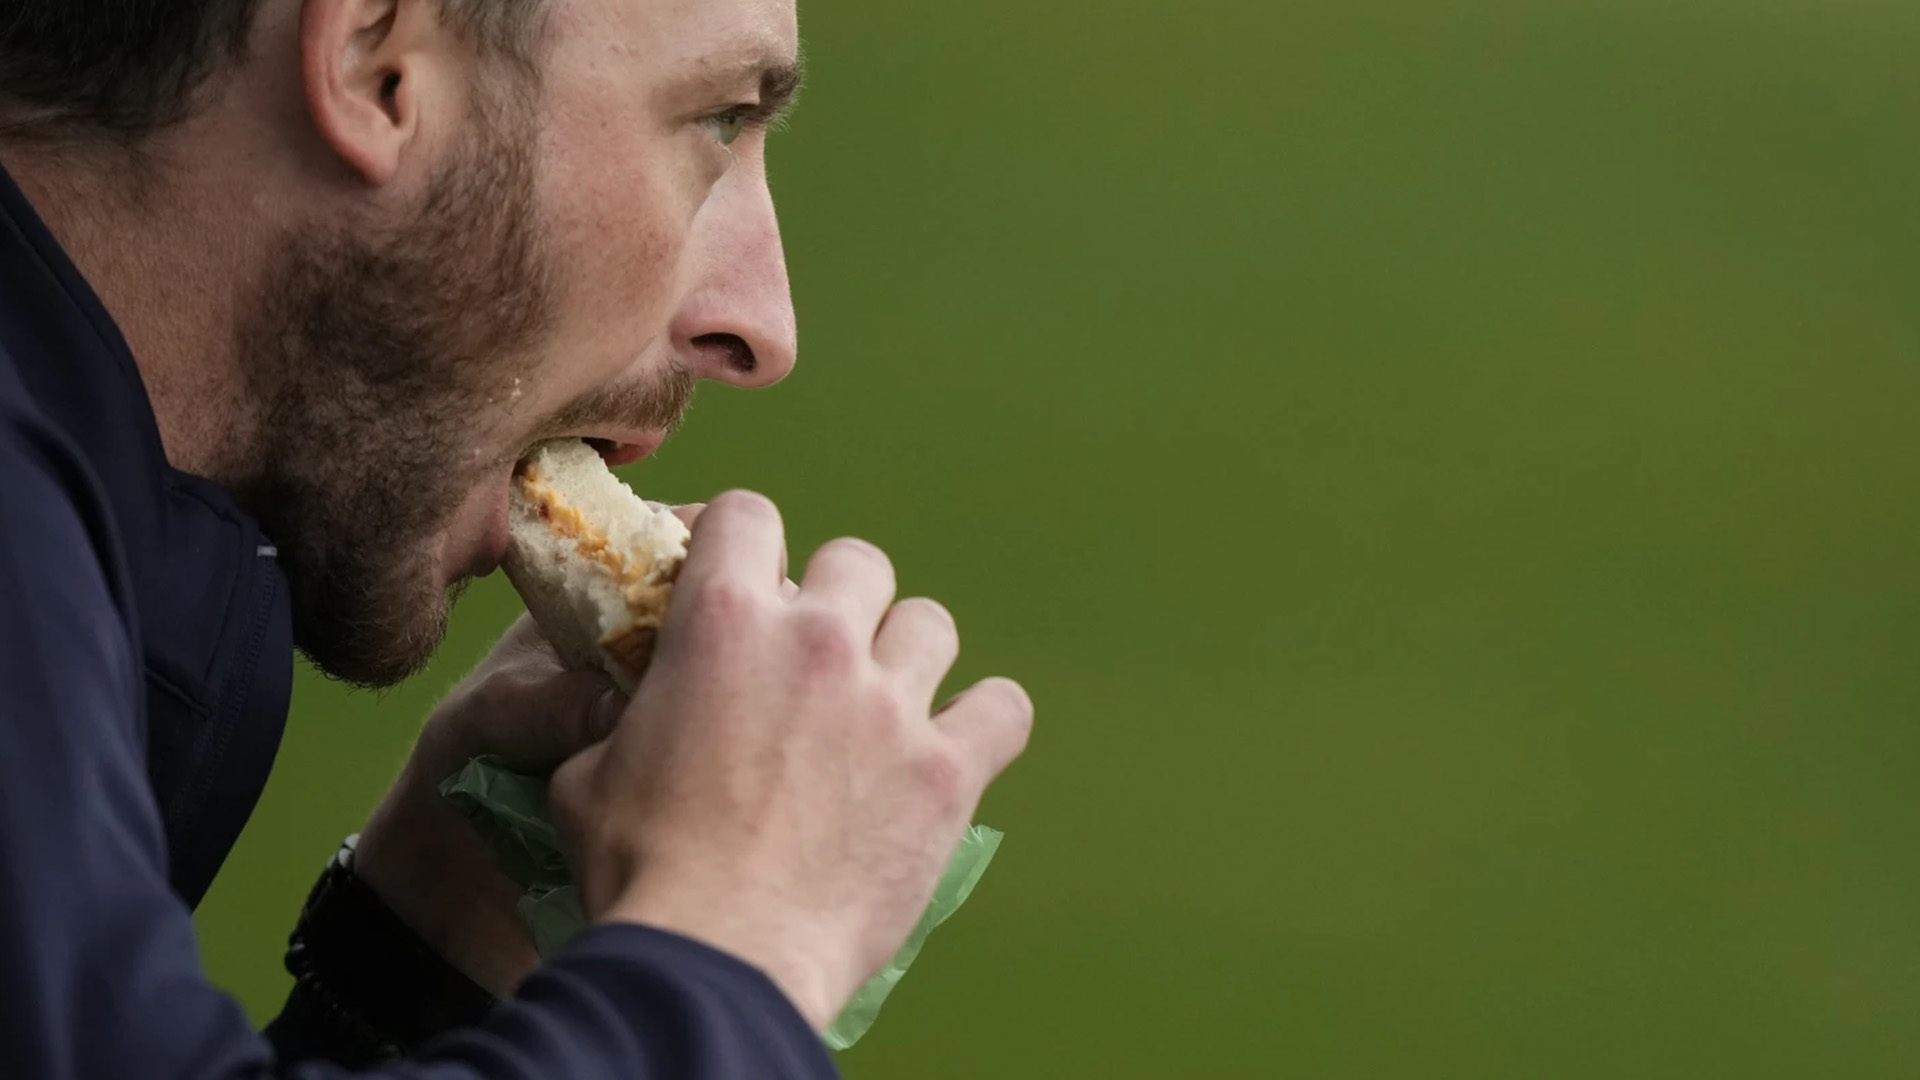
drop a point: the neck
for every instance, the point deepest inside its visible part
(169, 253)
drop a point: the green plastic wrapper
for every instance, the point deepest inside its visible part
(963, 873)
(510, 810)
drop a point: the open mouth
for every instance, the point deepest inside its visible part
(619, 453)
(612, 451)
(620, 448)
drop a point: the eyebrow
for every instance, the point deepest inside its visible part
(779, 80)
(780, 84)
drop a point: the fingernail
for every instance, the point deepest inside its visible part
(607, 709)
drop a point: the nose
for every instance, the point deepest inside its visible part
(736, 324)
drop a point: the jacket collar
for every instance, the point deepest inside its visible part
(212, 617)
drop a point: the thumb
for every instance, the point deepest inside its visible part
(537, 725)
(570, 804)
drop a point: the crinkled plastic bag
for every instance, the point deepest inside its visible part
(963, 873)
(510, 810)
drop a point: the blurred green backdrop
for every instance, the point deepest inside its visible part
(1448, 473)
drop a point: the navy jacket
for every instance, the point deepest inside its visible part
(145, 671)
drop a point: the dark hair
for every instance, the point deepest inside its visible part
(122, 69)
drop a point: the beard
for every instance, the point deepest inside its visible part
(383, 361)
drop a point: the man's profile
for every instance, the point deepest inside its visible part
(287, 289)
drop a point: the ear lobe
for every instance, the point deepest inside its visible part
(362, 74)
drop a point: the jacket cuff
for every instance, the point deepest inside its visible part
(674, 981)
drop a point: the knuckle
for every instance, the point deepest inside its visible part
(852, 547)
(745, 503)
(1013, 700)
(719, 611)
(931, 609)
(935, 614)
(721, 599)
(888, 710)
(827, 638)
(942, 776)
(738, 510)
(1007, 713)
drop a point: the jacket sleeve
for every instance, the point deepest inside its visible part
(99, 973)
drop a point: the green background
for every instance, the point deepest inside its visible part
(1447, 472)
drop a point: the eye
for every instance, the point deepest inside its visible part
(727, 124)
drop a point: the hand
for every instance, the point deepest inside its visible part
(780, 786)
(423, 860)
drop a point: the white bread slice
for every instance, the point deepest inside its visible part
(594, 563)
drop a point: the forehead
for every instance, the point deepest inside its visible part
(677, 39)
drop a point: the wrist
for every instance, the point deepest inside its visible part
(794, 970)
(367, 988)
(421, 860)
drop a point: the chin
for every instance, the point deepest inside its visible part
(378, 664)
(373, 630)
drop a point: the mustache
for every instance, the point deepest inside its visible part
(656, 403)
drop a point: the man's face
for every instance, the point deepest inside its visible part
(589, 244)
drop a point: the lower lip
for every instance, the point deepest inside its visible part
(495, 548)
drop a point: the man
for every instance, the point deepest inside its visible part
(286, 288)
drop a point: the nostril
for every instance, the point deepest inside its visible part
(732, 348)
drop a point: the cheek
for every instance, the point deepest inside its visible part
(618, 224)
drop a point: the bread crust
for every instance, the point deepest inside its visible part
(632, 649)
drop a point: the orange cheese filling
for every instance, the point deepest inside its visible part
(635, 572)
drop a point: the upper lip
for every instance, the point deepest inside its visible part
(623, 446)
(619, 446)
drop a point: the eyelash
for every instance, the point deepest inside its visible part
(749, 116)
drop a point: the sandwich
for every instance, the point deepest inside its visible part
(594, 562)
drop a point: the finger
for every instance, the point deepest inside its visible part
(687, 514)
(738, 537)
(854, 576)
(991, 723)
(536, 724)
(789, 589)
(525, 650)
(918, 639)
(569, 796)
(523, 636)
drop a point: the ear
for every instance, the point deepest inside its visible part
(369, 73)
